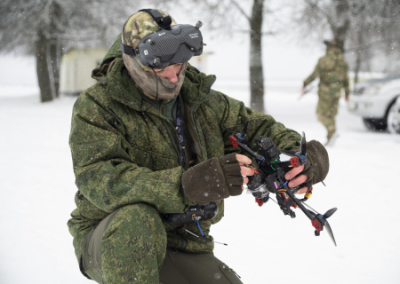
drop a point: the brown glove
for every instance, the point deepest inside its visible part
(213, 180)
(317, 166)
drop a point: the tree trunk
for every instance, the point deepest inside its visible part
(357, 67)
(256, 67)
(42, 68)
(48, 57)
(55, 56)
(55, 51)
(342, 23)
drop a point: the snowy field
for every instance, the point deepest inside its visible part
(264, 246)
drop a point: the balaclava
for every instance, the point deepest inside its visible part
(137, 27)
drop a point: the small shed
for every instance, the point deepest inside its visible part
(76, 69)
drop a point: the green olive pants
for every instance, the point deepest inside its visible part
(327, 109)
(129, 246)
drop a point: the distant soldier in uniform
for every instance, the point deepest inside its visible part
(150, 143)
(332, 72)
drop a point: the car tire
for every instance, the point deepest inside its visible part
(393, 119)
(375, 124)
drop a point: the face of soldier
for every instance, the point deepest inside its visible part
(171, 73)
(168, 85)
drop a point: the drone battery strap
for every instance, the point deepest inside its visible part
(162, 22)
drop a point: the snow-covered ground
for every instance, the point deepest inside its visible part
(264, 246)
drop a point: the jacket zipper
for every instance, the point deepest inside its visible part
(192, 117)
(172, 139)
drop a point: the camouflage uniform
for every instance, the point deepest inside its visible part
(127, 167)
(332, 72)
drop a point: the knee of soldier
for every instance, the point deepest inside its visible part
(140, 220)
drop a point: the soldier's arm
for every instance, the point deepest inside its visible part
(346, 83)
(106, 166)
(313, 76)
(234, 117)
(237, 117)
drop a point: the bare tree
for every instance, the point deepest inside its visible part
(317, 16)
(241, 16)
(376, 35)
(255, 20)
(45, 28)
(367, 27)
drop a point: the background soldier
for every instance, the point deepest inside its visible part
(332, 73)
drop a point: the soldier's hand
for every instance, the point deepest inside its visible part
(216, 178)
(244, 162)
(303, 90)
(309, 175)
(297, 180)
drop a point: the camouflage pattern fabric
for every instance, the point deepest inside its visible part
(133, 246)
(138, 260)
(332, 71)
(140, 25)
(137, 27)
(123, 155)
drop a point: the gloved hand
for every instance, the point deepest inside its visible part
(313, 171)
(214, 179)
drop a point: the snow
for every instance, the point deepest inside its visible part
(264, 246)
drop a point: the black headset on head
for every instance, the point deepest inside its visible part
(163, 23)
(167, 46)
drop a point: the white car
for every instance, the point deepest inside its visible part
(373, 100)
(393, 118)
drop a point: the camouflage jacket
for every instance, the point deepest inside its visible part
(124, 155)
(332, 71)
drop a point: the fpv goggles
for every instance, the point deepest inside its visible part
(169, 45)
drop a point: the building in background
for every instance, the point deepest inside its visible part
(76, 69)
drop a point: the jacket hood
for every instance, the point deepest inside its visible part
(113, 74)
(114, 52)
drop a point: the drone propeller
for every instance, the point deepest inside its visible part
(319, 222)
(330, 233)
(330, 212)
(303, 147)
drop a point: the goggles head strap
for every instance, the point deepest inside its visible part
(128, 49)
(162, 22)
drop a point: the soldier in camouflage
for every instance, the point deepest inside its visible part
(130, 171)
(332, 73)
